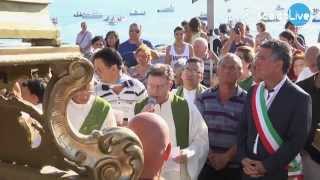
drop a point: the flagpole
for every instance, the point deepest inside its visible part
(210, 14)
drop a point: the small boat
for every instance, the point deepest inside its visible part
(316, 18)
(54, 20)
(77, 14)
(113, 21)
(94, 15)
(315, 11)
(203, 17)
(279, 8)
(137, 13)
(107, 19)
(166, 10)
(267, 19)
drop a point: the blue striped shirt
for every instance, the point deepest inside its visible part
(222, 119)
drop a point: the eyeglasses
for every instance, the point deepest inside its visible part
(135, 30)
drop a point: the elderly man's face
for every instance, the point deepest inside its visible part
(158, 87)
(192, 75)
(228, 71)
(200, 49)
(134, 32)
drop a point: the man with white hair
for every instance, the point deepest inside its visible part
(311, 61)
(221, 108)
(201, 50)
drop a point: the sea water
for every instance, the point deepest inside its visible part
(158, 27)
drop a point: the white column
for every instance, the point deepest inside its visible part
(210, 13)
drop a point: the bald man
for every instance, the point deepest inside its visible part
(311, 61)
(222, 106)
(154, 135)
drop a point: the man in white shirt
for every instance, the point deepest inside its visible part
(119, 89)
(87, 112)
(188, 130)
(192, 75)
(311, 61)
(84, 38)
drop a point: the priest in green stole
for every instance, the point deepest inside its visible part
(87, 112)
(192, 75)
(188, 130)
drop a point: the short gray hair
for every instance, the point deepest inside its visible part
(196, 60)
(280, 50)
(232, 56)
(200, 40)
(161, 70)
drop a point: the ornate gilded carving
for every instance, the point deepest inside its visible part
(110, 154)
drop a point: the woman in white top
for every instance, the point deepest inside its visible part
(262, 35)
(179, 49)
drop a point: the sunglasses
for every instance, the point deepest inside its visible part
(136, 31)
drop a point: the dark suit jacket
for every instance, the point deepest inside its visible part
(290, 114)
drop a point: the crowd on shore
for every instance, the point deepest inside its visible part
(215, 104)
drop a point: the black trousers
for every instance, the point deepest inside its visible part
(209, 173)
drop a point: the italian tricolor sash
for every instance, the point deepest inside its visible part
(269, 137)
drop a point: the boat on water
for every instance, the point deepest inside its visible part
(137, 13)
(316, 18)
(268, 19)
(315, 11)
(77, 14)
(166, 10)
(279, 8)
(114, 21)
(203, 17)
(54, 20)
(94, 15)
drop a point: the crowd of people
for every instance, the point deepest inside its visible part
(215, 104)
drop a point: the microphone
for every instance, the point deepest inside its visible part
(152, 101)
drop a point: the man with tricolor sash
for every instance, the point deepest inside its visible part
(276, 119)
(187, 129)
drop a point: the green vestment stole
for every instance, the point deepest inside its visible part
(97, 115)
(200, 89)
(180, 113)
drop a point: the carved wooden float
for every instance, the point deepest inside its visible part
(110, 154)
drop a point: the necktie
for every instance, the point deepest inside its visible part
(269, 93)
